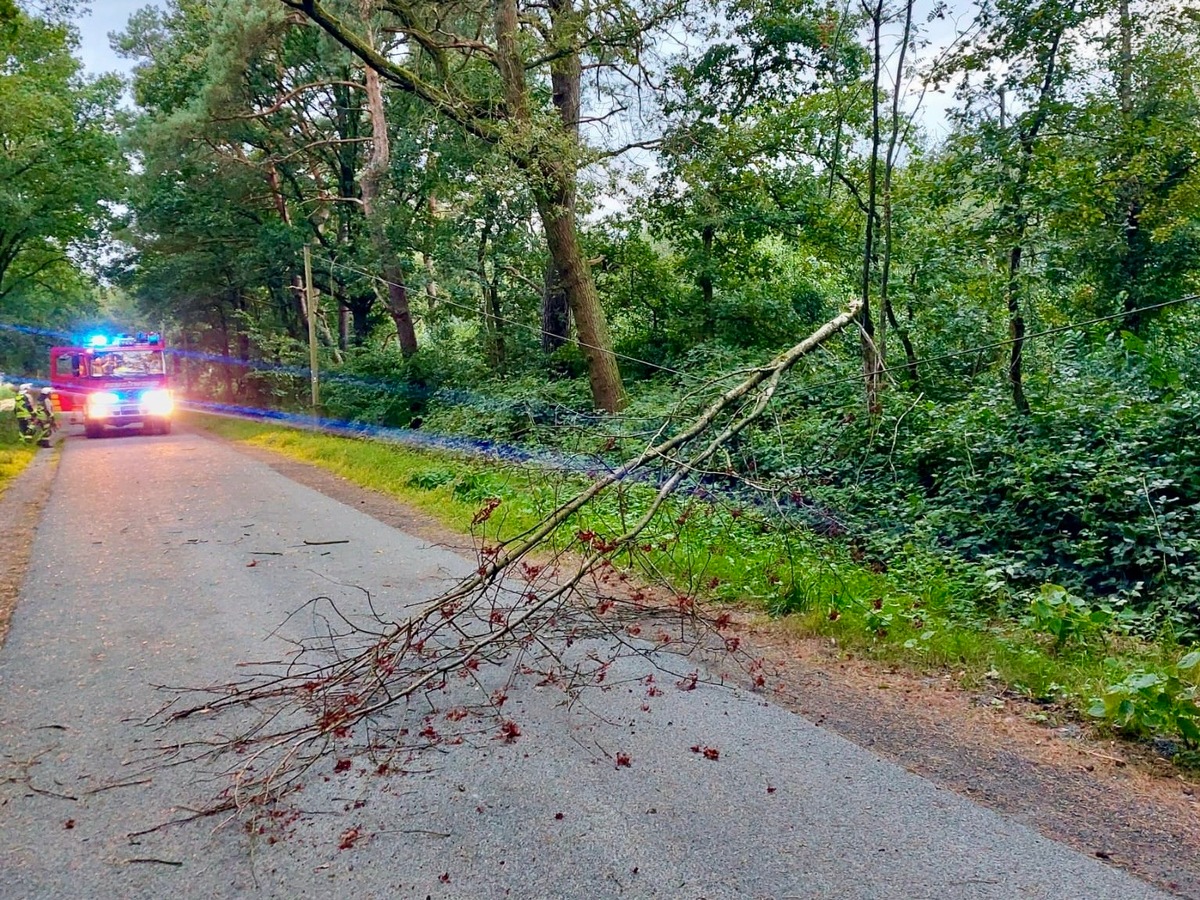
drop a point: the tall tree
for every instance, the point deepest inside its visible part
(483, 66)
(751, 119)
(374, 182)
(60, 165)
(1138, 135)
(1023, 58)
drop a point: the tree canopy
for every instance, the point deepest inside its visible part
(61, 173)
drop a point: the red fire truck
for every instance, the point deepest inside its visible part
(114, 381)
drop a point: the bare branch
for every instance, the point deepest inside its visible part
(285, 99)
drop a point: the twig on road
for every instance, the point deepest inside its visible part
(152, 859)
(118, 784)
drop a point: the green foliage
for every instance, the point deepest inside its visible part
(1153, 703)
(431, 479)
(1098, 490)
(60, 162)
(380, 387)
(15, 454)
(1065, 617)
(60, 171)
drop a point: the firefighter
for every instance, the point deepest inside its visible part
(47, 409)
(26, 412)
(31, 422)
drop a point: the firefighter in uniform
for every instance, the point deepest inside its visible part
(47, 409)
(31, 421)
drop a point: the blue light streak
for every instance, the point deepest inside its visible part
(480, 448)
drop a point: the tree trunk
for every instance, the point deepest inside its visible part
(1125, 61)
(337, 290)
(608, 393)
(1016, 330)
(360, 310)
(553, 174)
(398, 308)
(888, 315)
(431, 288)
(496, 350)
(872, 357)
(226, 357)
(187, 365)
(912, 374)
(285, 216)
(565, 94)
(556, 312)
(493, 323)
(373, 181)
(1016, 213)
(708, 317)
(1130, 193)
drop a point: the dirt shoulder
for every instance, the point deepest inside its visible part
(20, 509)
(1107, 799)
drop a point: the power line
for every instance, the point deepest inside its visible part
(459, 397)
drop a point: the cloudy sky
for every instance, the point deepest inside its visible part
(106, 16)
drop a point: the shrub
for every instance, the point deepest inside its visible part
(1065, 617)
(1153, 704)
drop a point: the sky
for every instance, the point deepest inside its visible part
(106, 16)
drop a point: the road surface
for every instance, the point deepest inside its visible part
(139, 578)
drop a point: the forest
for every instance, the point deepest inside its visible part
(560, 227)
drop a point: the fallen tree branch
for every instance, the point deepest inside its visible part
(338, 687)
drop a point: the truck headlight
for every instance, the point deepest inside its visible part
(100, 404)
(158, 402)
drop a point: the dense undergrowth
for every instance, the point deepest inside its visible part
(1097, 489)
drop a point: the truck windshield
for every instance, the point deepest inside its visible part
(127, 364)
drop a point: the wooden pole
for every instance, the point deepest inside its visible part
(310, 296)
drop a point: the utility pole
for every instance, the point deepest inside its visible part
(310, 297)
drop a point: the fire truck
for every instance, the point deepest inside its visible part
(114, 382)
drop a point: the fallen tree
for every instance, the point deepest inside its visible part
(361, 684)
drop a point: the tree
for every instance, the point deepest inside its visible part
(492, 89)
(1134, 235)
(1033, 45)
(60, 165)
(798, 97)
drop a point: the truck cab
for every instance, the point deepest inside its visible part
(114, 381)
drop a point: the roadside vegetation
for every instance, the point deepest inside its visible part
(14, 454)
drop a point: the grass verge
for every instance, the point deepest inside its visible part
(14, 455)
(917, 613)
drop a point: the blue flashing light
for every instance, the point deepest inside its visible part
(98, 340)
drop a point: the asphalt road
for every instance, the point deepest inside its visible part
(139, 578)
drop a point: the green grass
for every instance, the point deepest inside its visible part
(14, 455)
(919, 613)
